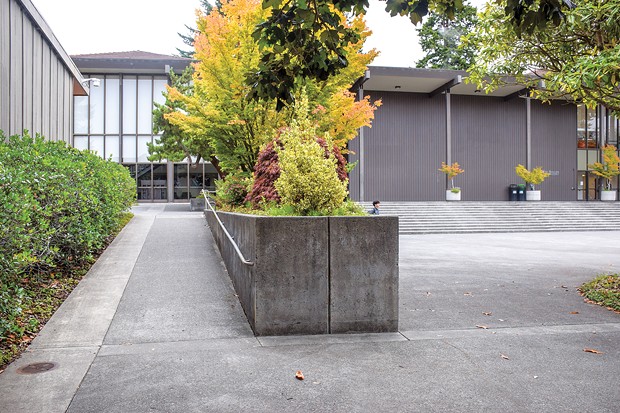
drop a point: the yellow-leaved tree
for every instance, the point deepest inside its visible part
(235, 128)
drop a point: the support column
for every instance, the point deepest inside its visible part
(170, 176)
(528, 132)
(448, 128)
(360, 96)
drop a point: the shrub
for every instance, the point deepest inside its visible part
(341, 162)
(451, 171)
(308, 180)
(609, 168)
(231, 191)
(534, 177)
(59, 206)
(266, 173)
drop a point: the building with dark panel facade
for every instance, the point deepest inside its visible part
(427, 117)
(432, 116)
(37, 78)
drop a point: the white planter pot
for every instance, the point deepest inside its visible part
(608, 195)
(532, 195)
(453, 196)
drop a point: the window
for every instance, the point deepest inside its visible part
(112, 105)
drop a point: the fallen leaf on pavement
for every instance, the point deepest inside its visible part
(591, 350)
(299, 375)
(574, 312)
(504, 356)
(486, 313)
(466, 293)
(483, 327)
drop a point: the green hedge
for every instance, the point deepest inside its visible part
(58, 205)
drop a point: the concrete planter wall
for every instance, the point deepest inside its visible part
(313, 275)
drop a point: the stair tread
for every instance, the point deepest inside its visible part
(442, 217)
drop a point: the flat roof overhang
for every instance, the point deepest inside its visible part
(430, 81)
(130, 66)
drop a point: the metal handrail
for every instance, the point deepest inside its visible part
(206, 194)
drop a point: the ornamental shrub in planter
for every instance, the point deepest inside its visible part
(534, 177)
(608, 169)
(451, 171)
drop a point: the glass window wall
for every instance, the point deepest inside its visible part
(143, 149)
(145, 181)
(96, 145)
(116, 123)
(80, 114)
(145, 105)
(129, 105)
(112, 148)
(80, 142)
(190, 179)
(112, 106)
(97, 109)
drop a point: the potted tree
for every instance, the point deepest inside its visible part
(454, 192)
(607, 169)
(534, 177)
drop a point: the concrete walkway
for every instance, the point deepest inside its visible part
(155, 327)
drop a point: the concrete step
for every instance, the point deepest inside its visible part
(484, 217)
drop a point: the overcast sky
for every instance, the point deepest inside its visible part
(93, 26)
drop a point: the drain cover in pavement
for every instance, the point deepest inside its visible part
(35, 368)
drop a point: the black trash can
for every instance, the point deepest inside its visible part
(513, 192)
(521, 192)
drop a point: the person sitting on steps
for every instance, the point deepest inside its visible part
(375, 208)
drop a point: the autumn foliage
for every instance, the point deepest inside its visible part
(217, 110)
(266, 173)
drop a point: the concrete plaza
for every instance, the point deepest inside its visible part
(488, 322)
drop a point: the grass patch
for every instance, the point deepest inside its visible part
(603, 290)
(42, 294)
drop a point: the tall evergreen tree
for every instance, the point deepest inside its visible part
(440, 39)
(188, 38)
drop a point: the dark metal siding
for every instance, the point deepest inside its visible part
(554, 143)
(405, 147)
(488, 141)
(35, 84)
